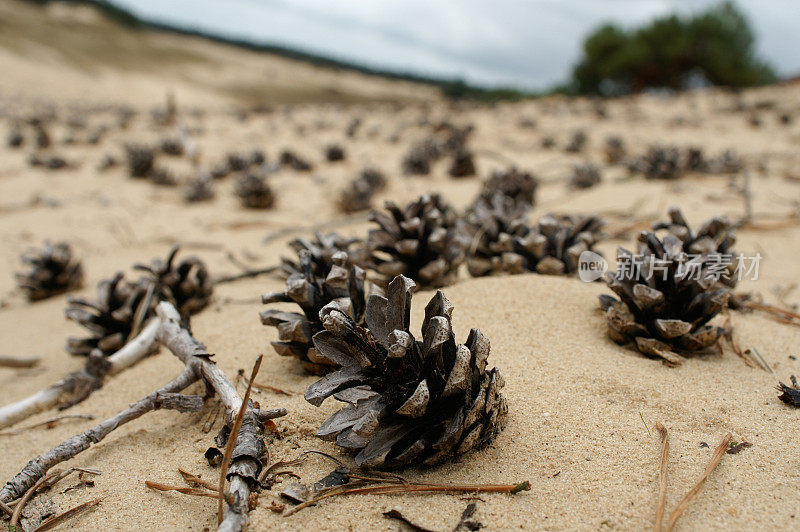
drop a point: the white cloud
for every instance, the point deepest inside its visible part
(526, 43)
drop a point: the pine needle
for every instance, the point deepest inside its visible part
(715, 460)
(662, 475)
(194, 480)
(69, 514)
(180, 489)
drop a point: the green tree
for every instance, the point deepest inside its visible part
(713, 47)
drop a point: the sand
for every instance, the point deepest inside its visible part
(581, 409)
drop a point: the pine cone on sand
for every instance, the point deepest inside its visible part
(425, 241)
(615, 150)
(141, 160)
(334, 153)
(411, 401)
(321, 249)
(517, 185)
(463, 164)
(554, 245)
(494, 225)
(358, 195)
(52, 270)
(585, 176)
(186, 284)
(343, 286)
(109, 319)
(254, 192)
(666, 300)
(419, 158)
(295, 162)
(661, 163)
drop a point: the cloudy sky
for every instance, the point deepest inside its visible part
(526, 43)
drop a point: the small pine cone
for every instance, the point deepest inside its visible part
(517, 185)
(358, 195)
(15, 137)
(493, 227)
(463, 164)
(666, 300)
(199, 189)
(172, 146)
(411, 401)
(109, 319)
(615, 150)
(186, 284)
(661, 163)
(295, 162)
(343, 286)
(254, 192)
(334, 153)
(585, 176)
(52, 270)
(162, 177)
(695, 160)
(425, 241)
(140, 160)
(555, 244)
(321, 250)
(419, 158)
(577, 143)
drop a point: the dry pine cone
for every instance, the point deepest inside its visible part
(187, 284)
(342, 284)
(254, 192)
(494, 225)
(666, 300)
(322, 249)
(412, 401)
(424, 240)
(554, 245)
(52, 270)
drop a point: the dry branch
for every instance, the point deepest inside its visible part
(78, 385)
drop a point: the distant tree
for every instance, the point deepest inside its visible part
(713, 47)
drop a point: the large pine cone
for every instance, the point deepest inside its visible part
(554, 245)
(494, 225)
(412, 401)
(321, 249)
(517, 185)
(666, 299)
(187, 284)
(52, 270)
(425, 241)
(343, 284)
(109, 319)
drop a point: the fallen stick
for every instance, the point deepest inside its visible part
(69, 514)
(14, 362)
(37, 469)
(662, 475)
(78, 385)
(715, 460)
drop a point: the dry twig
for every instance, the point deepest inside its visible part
(69, 514)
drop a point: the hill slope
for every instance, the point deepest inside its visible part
(71, 51)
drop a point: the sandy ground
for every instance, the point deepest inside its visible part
(581, 409)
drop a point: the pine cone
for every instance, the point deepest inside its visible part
(577, 143)
(140, 160)
(517, 185)
(187, 284)
(343, 285)
(295, 162)
(358, 196)
(199, 189)
(52, 270)
(425, 240)
(412, 401)
(463, 165)
(254, 192)
(494, 225)
(321, 250)
(109, 319)
(714, 237)
(666, 300)
(615, 150)
(585, 176)
(661, 163)
(419, 158)
(555, 244)
(334, 153)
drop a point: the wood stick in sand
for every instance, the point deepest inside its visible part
(715, 460)
(18, 362)
(245, 461)
(77, 386)
(662, 475)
